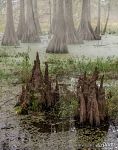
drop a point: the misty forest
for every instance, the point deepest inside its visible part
(58, 75)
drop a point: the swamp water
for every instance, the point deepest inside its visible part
(34, 132)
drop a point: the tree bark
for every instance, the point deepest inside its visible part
(58, 42)
(50, 20)
(98, 30)
(85, 29)
(21, 25)
(105, 27)
(39, 90)
(89, 10)
(92, 99)
(31, 35)
(54, 16)
(71, 34)
(10, 37)
(36, 16)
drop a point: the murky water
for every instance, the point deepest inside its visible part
(25, 133)
(107, 47)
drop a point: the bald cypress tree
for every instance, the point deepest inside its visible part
(53, 24)
(71, 34)
(21, 24)
(58, 42)
(36, 16)
(107, 19)
(85, 29)
(31, 35)
(10, 37)
(98, 29)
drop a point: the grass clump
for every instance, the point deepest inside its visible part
(67, 106)
(79, 66)
(24, 68)
(3, 75)
(113, 102)
(4, 54)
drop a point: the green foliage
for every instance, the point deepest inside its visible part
(35, 102)
(18, 110)
(112, 28)
(14, 66)
(113, 103)
(24, 68)
(68, 106)
(35, 106)
(23, 54)
(3, 75)
(60, 66)
(3, 53)
(78, 66)
(94, 136)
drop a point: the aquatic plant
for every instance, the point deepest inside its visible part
(71, 66)
(112, 95)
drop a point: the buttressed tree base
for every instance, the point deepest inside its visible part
(92, 99)
(45, 93)
(39, 90)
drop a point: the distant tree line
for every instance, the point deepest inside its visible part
(62, 28)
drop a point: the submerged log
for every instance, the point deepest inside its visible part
(92, 99)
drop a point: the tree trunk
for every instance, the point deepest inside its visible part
(36, 16)
(31, 35)
(92, 99)
(71, 34)
(89, 10)
(105, 27)
(10, 37)
(85, 29)
(98, 30)
(82, 107)
(21, 25)
(39, 90)
(54, 16)
(58, 42)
